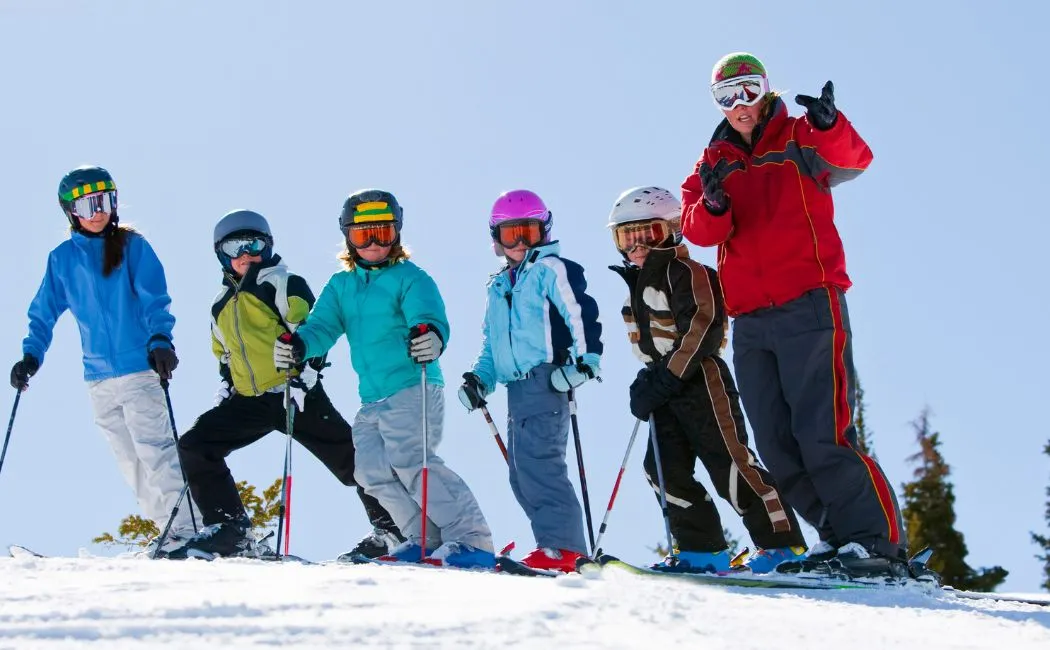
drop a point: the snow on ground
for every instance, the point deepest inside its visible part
(135, 604)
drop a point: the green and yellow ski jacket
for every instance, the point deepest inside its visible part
(247, 318)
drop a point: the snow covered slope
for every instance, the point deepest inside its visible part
(115, 604)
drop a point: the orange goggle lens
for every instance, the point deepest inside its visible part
(646, 233)
(364, 236)
(528, 232)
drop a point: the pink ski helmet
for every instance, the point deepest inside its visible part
(518, 205)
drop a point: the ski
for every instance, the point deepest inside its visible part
(744, 579)
(809, 581)
(504, 564)
(15, 550)
(510, 566)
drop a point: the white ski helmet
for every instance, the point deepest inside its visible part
(645, 203)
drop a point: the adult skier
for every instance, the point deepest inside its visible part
(761, 192)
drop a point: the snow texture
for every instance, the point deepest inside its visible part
(115, 603)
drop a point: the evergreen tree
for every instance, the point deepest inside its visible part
(861, 423)
(929, 515)
(1044, 540)
(136, 531)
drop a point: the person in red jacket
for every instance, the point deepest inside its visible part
(761, 192)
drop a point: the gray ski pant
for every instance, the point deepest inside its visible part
(388, 436)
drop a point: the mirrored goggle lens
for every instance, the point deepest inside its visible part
(234, 248)
(528, 232)
(383, 234)
(649, 233)
(85, 206)
(748, 91)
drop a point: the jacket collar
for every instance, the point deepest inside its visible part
(725, 133)
(534, 255)
(252, 275)
(657, 259)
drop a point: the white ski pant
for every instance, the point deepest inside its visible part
(388, 436)
(133, 415)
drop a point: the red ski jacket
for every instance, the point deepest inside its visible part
(778, 238)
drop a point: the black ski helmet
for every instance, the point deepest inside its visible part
(370, 206)
(241, 222)
(84, 180)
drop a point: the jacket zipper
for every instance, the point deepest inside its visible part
(240, 339)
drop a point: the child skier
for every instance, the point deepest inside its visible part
(394, 319)
(108, 276)
(541, 337)
(761, 192)
(260, 300)
(676, 324)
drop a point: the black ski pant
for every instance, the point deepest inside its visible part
(794, 363)
(705, 421)
(238, 422)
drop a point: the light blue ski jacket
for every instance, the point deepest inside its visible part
(545, 316)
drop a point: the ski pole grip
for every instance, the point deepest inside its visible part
(418, 330)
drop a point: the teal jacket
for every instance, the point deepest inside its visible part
(375, 308)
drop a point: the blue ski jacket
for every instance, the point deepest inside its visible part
(543, 316)
(121, 317)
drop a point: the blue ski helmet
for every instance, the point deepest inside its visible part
(84, 180)
(238, 223)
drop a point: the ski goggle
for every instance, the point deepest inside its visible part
(237, 246)
(651, 233)
(527, 231)
(747, 91)
(364, 235)
(86, 206)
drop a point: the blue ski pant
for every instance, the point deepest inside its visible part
(538, 433)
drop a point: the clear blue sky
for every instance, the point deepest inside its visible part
(201, 107)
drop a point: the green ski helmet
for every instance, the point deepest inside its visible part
(370, 206)
(82, 181)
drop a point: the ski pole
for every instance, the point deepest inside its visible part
(579, 463)
(285, 511)
(495, 431)
(10, 426)
(175, 435)
(426, 442)
(663, 491)
(616, 488)
(167, 527)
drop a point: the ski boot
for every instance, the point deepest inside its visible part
(464, 556)
(766, 560)
(556, 559)
(379, 542)
(225, 539)
(695, 562)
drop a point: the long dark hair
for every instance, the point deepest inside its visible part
(113, 249)
(115, 240)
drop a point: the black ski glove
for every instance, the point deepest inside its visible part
(472, 392)
(163, 361)
(821, 112)
(715, 199)
(652, 389)
(22, 371)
